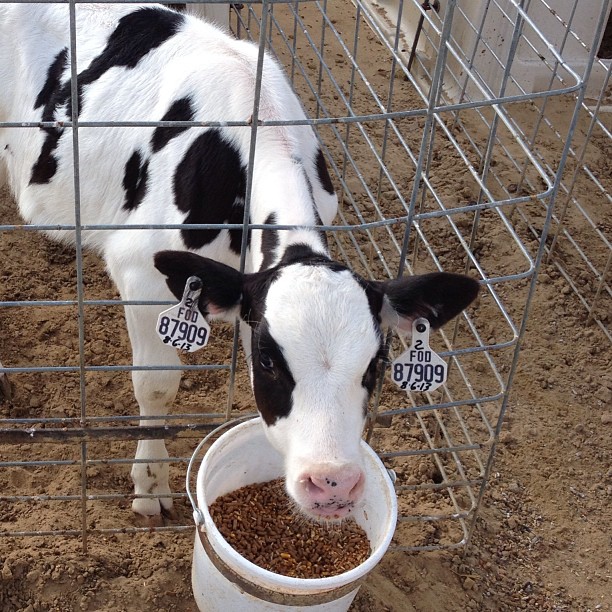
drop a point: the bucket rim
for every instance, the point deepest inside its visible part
(198, 517)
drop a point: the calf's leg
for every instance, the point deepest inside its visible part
(156, 389)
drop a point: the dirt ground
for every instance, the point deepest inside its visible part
(542, 539)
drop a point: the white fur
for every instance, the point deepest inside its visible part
(327, 334)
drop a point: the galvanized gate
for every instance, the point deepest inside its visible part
(441, 126)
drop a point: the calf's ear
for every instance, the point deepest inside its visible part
(221, 285)
(438, 297)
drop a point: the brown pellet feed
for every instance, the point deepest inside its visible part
(261, 523)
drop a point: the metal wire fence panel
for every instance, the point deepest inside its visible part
(452, 157)
(537, 52)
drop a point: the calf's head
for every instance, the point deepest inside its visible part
(317, 332)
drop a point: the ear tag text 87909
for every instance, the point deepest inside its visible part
(419, 368)
(183, 326)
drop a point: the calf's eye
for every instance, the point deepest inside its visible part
(266, 361)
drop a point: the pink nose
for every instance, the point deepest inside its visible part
(332, 491)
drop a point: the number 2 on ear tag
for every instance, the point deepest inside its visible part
(419, 368)
(183, 326)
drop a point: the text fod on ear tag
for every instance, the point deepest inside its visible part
(419, 368)
(183, 326)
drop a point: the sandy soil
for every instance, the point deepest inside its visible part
(542, 540)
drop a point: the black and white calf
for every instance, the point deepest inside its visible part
(312, 328)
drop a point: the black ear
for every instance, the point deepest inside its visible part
(438, 297)
(222, 285)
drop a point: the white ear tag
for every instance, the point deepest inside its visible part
(419, 368)
(183, 326)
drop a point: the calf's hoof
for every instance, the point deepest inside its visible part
(153, 513)
(153, 507)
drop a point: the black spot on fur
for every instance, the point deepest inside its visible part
(269, 243)
(210, 186)
(237, 216)
(135, 36)
(54, 75)
(375, 296)
(255, 290)
(46, 165)
(135, 178)
(323, 173)
(273, 383)
(50, 97)
(303, 254)
(368, 380)
(180, 110)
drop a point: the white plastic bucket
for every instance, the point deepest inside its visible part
(224, 581)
